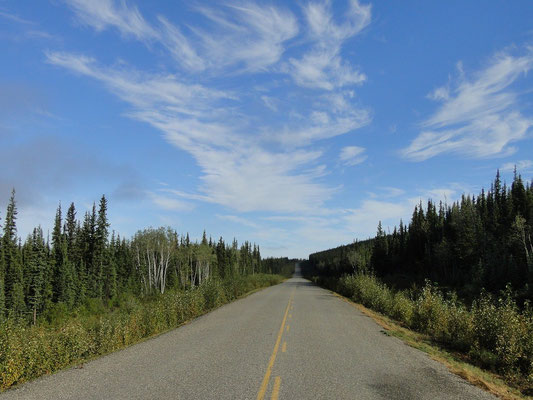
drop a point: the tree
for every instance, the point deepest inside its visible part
(101, 268)
(153, 252)
(70, 230)
(38, 271)
(64, 272)
(380, 251)
(12, 261)
(57, 252)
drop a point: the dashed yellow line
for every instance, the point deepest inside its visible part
(266, 379)
(284, 347)
(288, 327)
(275, 391)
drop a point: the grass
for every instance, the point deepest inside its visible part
(27, 352)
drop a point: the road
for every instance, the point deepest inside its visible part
(290, 341)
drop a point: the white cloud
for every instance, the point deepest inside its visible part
(237, 171)
(363, 221)
(15, 18)
(521, 166)
(101, 14)
(446, 195)
(143, 91)
(253, 179)
(238, 220)
(169, 203)
(322, 67)
(180, 47)
(248, 34)
(340, 118)
(352, 155)
(441, 93)
(392, 192)
(270, 103)
(480, 117)
(240, 169)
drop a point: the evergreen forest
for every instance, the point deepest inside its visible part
(479, 242)
(83, 260)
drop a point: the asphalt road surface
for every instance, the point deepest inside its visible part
(290, 341)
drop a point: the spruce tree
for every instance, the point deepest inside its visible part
(37, 270)
(101, 268)
(64, 272)
(70, 231)
(12, 260)
(57, 255)
(91, 256)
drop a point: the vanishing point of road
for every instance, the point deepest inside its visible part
(290, 341)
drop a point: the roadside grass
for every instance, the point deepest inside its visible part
(28, 352)
(488, 344)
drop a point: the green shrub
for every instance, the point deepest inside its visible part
(494, 333)
(403, 308)
(67, 338)
(459, 333)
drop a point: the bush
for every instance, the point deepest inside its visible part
(402, 308)
(67, 338)
(494, 333)
(430, 313)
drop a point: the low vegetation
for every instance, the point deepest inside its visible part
(492, 333)
(95, 328)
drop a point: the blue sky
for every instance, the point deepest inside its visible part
(296, 125)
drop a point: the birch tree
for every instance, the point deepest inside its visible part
(154, 249)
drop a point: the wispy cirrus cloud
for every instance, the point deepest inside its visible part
(240, 169)
(479, 117)
(333, 114)
(15, 18)
(352, 155)
(237, 171)
(247, 34)
(521, 166)
(169, 203)
(238, 220)
(180, 47)
(102, 14)
(323, 67)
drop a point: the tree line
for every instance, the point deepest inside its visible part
(481, 241)
(83, 260)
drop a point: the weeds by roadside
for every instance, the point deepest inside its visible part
(493, 333)
(27, 352)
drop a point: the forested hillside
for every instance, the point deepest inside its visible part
(84, 260)
(482, 241)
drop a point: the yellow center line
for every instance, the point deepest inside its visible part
(290, 316)
(284, 347)
(266, 379)
(275, 391)
(288, 327)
